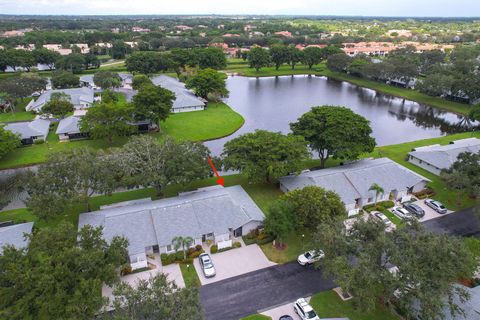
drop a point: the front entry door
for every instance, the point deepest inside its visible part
(237, 232)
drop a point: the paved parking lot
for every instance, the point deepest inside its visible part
(235, 262)
(429, 212)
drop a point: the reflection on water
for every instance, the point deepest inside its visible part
(272, 103)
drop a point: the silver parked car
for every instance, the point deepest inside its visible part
(402, 213)
(207, 265)
(435, 205)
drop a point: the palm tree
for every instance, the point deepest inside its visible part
(378, 190)
(183, 242)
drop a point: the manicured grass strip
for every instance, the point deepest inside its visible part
(396, 220)
(190, 275)
(296, 245)
(17, 216)
(257, 317)
(473, 244)
(217, 120)
(329, 305)
(17, 116)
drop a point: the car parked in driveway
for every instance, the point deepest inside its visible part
(436, 205)
(389, 225)
(304, 310)
(414, 209)
(402, 213)
(310, 257)
(207, 265)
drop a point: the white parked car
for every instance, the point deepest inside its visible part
(304, 310)
(435, 205)
(207, 265)
(310, 257)
(389, 225)
(402, 212)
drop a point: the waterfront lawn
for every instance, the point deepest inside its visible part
(189, 275)
(284, 70)
(216, 121)
(329, 305)
(398, 153)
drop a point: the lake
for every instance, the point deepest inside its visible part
(272, 103)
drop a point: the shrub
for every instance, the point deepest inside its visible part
(196, 254)
(191, 251)
(187, 261)
(425, 193)
(168, 258)
(381, 206)
(179, 256)
(265, 240)
(249, 241)
(214, 249)
(237, 244)
(127, 269)
(199, 247)
(39, 141)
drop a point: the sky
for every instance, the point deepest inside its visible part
(411, 8)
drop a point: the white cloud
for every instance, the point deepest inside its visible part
(310, 7)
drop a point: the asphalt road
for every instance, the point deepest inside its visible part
(464, 223)
(237, 297)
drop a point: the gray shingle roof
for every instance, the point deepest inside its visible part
(27, 129)
(443, 157)
(14, 235)
(189, 214)
(184, 97)
(352, 181)
(69, 125)
(77, 95)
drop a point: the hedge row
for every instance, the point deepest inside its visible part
(381, 206)
(192, 253)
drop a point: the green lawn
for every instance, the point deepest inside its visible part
(296, 245)
(257, 317)
(396, 220)
(398, 153)
(329, 305)
(242, 68)
(218, 120)
(16, 116)
(190, 276)
(473, 244)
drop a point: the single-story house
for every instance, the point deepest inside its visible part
(86, 80)
(81, 98)
(29, 131)
(435, 157)
(352, 182)
(69, 129)
(214, 214)
(185, 100)
(14, 235)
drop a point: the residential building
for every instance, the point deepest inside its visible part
(58, 48)
(69, 129)
(286, 34)
(352, 182)
(215, 214)
(81, 98)
(249, 27)
(231, 35)
(183, 27)
(30, 131)
(140, 30)
(14, 235)
(16, 33)
(435, 158)
(302, 47)
(185, 99)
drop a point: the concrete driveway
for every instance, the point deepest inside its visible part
(429, 212)
(235, 262)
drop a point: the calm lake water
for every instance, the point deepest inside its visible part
(272, 103)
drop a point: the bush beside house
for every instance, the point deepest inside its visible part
(381, 206)
(177, 257)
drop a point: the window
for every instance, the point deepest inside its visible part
(370, 200)
(169, 248)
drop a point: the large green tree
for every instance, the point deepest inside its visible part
(258, 58)
(107, 79)
(140, 80)
(60, 275)
(212, 58)
(46, 57)
(64, 79)
(106, 120)
(339, 62)
(464, 174)
(208, 81)
(407, 268)
(279, 55)
(68, 178)
(314, 205)
(263, 155)
(74, 62)
(22, 86)
(312, 56)
(155, 298)
(150, 163)
(148, 62)
(295, 56)
(335, 131)
(281, 220)
(8, 141)
(59, 106)
(153, 103)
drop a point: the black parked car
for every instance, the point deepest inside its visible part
(286, 317)
(415, 210)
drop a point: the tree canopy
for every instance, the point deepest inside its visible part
(406, 268)
(335, 131)
(64, 79)
(148, 62)
(58, 277)
(59, 106)
(107, 79)
(153, 103)
(464, 174)
(263, 155)
(258, 58)
(8, 141)
(140, 80)
(22, 86)
(208, 81)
